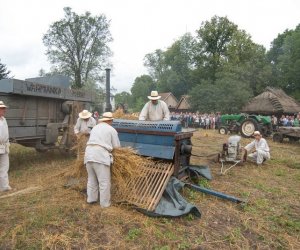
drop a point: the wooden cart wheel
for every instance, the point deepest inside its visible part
(277, 137)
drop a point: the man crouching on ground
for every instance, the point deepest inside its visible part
(261, 148)
(98, 159)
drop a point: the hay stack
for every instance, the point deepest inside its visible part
(79, 169)
(119, 114)
(127, 165)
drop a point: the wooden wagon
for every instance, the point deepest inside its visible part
(292, 133)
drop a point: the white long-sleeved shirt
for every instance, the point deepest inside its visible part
(3, 130)
(103, 139)
(157, 112)
(83, 126)
(258, 145)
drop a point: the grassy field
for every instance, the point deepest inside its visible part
(47, 215)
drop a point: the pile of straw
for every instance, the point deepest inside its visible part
(126, 166)
(78, 169)
(119, 114)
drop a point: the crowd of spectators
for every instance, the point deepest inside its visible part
(197, 120)
(213, 120)
(286, 120)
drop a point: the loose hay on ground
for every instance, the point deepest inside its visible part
(127, 165)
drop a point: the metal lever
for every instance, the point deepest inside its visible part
(215, 193)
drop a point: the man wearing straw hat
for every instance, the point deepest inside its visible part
(84, 123)
(4, 150)
(98, 159)
(155, 109)
(261, 149)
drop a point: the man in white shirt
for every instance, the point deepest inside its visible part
(155, 109)
(261, 149)
(4, 150)
(98, 159)
(84, 123)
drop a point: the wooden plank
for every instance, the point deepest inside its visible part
(145, 191)
(161, 188)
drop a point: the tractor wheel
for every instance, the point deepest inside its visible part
(248, 127)
(223, 131)
(277, 137)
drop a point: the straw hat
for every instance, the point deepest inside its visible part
(107, 116)
(256, 133)
(154, 95)
(85, 114)
(2, 105)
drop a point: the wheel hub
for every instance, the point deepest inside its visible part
(248, 129)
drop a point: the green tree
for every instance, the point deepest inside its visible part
(78, 45)
(141, 88)
(251, 68)
(214, 39)
(3, 71)
(171, 69)
(288, 64)
(226, 95)
(273, 55)
(123, 98)
(223, 49)
(155, 62)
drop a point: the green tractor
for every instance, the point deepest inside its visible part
(245, 124)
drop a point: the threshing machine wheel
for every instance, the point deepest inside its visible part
(293, 139)
(277, 137)
(248, 127)
(223, 131)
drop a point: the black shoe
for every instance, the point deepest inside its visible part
(92, 202)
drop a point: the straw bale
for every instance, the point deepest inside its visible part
(119, 114)
(126, 166)
(79, 147)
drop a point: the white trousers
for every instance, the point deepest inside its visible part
(4, 166)
(99, 181)
(259, 156)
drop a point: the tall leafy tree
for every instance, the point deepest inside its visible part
(249, 65)
(3, 71)
(227, 95)
(124, 99)
(78, 45)
(155, 62)
(171, 69)
(286, 62)
(273, 55)
(140, 89)
(231, 62)
(214, 38)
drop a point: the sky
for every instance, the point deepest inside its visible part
(138, 27)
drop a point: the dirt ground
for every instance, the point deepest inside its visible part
(46, 214)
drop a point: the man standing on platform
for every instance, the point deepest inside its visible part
(155, 109)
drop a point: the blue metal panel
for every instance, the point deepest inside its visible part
(156, 151)
(147, 139)
(161, 126)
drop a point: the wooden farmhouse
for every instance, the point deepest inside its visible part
(170, 100)
(183, 105)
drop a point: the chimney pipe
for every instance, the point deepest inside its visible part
(108, 107)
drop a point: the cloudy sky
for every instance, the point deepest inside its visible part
(138, 27)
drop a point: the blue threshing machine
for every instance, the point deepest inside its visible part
(158, 139)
